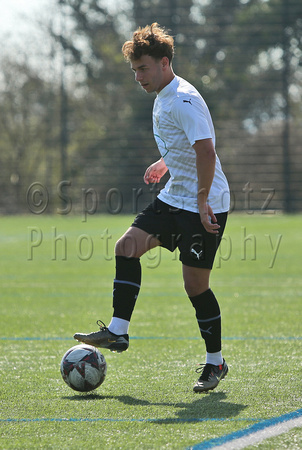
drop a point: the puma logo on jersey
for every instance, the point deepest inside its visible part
(187, 101)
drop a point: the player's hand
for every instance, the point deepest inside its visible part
(208, 219)
(154, 172)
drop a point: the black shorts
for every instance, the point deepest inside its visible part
(175, 227)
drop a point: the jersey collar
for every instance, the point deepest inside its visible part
(165, 91)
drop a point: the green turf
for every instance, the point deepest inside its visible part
(64, 284)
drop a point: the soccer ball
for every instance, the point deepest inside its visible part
(83, 368)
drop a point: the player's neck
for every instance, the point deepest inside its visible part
(169, 77)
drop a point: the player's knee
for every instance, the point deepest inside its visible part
(125, 247)
(128, 246)
(134, 243)
(196, 282)
(118, 248)
(195, 289)
(192, 288)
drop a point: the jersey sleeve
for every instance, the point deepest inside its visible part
(189, 114)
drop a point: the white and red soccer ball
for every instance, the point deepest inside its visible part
(83, 368)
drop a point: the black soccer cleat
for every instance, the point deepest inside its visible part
(210, 377)
(104, 339)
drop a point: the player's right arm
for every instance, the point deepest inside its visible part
(155, 172)
(205, 165)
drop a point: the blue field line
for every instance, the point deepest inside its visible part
(262, 425)
(233, 338)
(109, 419)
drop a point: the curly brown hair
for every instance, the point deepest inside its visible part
(152, 40)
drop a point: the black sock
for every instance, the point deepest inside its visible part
(126, 286)
(209, 319)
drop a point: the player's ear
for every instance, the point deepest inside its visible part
(165, 62)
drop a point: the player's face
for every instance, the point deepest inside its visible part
(150, 73)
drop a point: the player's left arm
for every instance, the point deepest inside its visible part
(205, 165)
(155, 172)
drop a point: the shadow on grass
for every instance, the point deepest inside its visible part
(87, 396)
(202, 407)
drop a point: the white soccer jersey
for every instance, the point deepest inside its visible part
(180, 118)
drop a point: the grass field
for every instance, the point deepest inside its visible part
(56, 279)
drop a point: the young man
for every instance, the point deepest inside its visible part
(191, 210)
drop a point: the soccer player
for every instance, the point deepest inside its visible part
(190, 212)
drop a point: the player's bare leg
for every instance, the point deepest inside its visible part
(135, 243)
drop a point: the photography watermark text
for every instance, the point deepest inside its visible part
(84, 247)
(38, 199)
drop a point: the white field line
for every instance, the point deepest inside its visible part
(258, 436)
